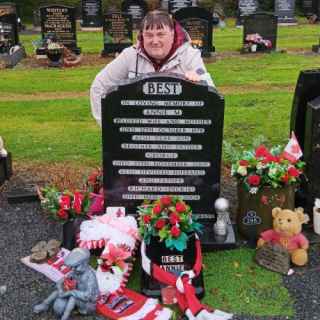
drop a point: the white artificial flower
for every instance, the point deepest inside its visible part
(317, 203)
(272, 171)
(253, 190)
(242, 171)
(260, 166)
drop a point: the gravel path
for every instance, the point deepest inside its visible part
(22, 225)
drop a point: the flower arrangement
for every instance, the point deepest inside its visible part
(66, 205)
(168, 218)
(255, 40)
(261, 167)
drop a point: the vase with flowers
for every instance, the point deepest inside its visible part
(169, 233)
(255, 42)
(67, 207)
(266, 178)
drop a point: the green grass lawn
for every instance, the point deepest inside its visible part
(45, 118)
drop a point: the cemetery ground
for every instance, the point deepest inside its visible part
(46, 122)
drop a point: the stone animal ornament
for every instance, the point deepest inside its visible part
(287, 226)
(79, 289)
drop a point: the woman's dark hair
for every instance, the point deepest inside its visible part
(157, 19)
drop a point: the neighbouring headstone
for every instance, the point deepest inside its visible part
(198, 23)
(284, 9)
(8, 15)
(163, 135)
(164, 5)
(36, 20)
(307, 7)
(137, 9)
(245, 8)
(274, 258)
(175, 5)
(60, 21)
(260, 29)
(312, 152)
(91, 13)
(117, 32)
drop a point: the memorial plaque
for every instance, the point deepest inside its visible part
(162, 135)
(264, 24)
(198, 23)
(175, 5)
(137, 9)
(91, 13)
(274, 258)
(60, 21)
(8, 16)
(312, 152)
(245, 8)
(117, 31)
(284, 9)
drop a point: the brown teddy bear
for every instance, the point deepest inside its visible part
(287, 225)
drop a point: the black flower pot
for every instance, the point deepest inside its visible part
(54, 55)
(173, 261)
(69, 233)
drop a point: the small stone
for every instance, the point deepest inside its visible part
(3, 290)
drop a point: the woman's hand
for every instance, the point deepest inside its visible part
(192, 76)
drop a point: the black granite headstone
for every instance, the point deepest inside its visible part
(162, 135)
(307, 89)
(60, 21)
(312, 152)
(264, 24)
(117, 30)
(284, 9)
(198, 23)
(7, 37)
(175, 5)
(91, 13)
(8, 16)
(137, 9)
(307, 7)
(36, 19)
(245, 8)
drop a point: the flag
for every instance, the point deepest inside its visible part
(292, 151)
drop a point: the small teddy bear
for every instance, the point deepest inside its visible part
(287, 226)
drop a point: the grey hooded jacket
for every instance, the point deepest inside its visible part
(132, 62)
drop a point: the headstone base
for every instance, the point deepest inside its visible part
(316, 48)
(210, 241)
(11, 60)
(27, 193)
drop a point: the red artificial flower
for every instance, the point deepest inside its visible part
(270, 158)
(146, 219)
(77, 202)
(293, 172)
(63, 214)
(174, 218)
(65, 202)
(264, 200)
(254, 180)
(180, 207)
(69, 284)
(243, 163)
(285, 178)
(160, 224)
(165, 201)
(262, 152)
(157, 209)
(175, 231)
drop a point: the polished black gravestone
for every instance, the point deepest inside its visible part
(264, 24)
(284, 9)
(8, 15)
(312, 152)
(36, 20)
(307, 7)
(175, 5)
(60, 21)
(137, 9)
(163, 135)
(198, 23)
(91, 13)
(245, 8)
(117, 31)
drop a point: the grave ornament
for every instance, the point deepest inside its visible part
(79, 289)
